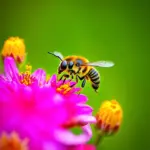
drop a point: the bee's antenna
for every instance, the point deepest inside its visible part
(56, 55)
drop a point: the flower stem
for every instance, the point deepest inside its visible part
(99, 138)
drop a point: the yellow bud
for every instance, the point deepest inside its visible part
(109, 116)
(14, 47)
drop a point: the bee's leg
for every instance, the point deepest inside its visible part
(79, 70)
(72, 76)
(81, 78)
(77, 77)
(76, 82)
(58, 74)
(65, 76)
(83, 83)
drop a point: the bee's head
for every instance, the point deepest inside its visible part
(62, 67)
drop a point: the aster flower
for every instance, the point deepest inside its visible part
(41, 111)
(37, 112)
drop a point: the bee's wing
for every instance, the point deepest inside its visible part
(101, 64)
(57, 54)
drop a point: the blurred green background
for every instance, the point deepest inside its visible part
(98, 30)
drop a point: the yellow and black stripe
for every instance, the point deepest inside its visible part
(94, 77)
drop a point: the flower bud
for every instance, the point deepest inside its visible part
(14, 47)
(109, 117)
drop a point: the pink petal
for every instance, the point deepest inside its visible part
(75, 90)
(79, 98)
(52, 146)
(3, 89)
(82, 98)
(72, 82)
(40, 75)
(10, 68)
(52, 80)
(2, 77)
(84, 119)
(68, 138)
(84, 108)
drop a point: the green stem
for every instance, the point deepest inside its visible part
(99, 138)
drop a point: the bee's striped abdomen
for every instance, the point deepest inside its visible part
(95, 78)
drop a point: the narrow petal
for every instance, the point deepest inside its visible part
(72, 82)
(10, 68)
(52, 80)
(85, 119)
(84, 108)
(79, 98)
(82, 98)
(2, 77)
(68, 138)
(40, 75)
(52, 146)
(75, 90)
(57, 146)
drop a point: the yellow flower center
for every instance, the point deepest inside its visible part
(109, 115)
(26, 76)
(64, 89)
(14, 47)
(12, 142)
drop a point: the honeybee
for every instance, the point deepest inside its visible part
(80, 68)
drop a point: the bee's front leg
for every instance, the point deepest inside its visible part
(72, 76)
(61, 77)
(76, 81)
(65, 77)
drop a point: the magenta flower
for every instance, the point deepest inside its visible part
(42, 111)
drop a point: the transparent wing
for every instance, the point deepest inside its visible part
(101, 64)
(57, 54)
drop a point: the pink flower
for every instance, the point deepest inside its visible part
(42, 111)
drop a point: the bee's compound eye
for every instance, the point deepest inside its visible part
(78, 62)
(64, 64)
(70, 65)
